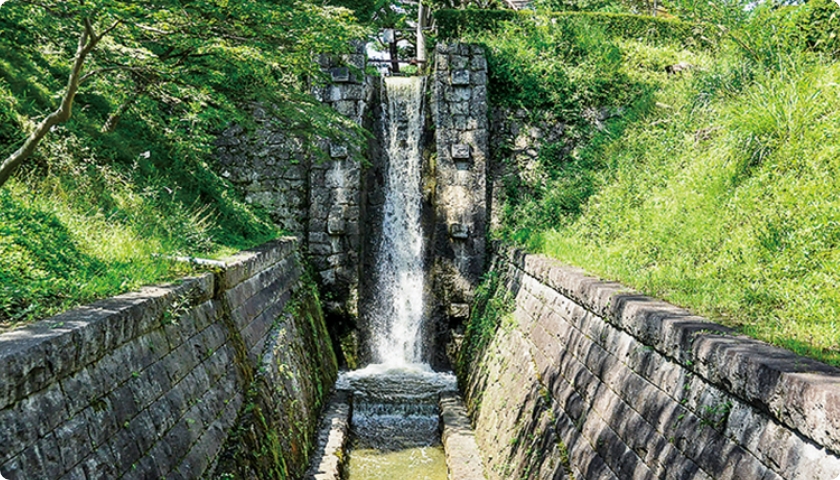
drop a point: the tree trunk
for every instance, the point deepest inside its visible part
(87, 41)
(114, 119)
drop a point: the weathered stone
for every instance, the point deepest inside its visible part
(459, 108)
(459, 231)
(462, 456)
(458, 62)
(459, 310)
(340, 74)
(338, 151)
(158, 405)
(627, 391)
(460, 151)
(460, 77)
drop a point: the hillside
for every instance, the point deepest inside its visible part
(128, 180)
(713, 187)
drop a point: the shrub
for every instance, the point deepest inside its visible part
(819, 24)
(453, 24)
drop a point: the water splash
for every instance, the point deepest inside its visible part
(398, 308)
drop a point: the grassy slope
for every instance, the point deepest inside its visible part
(719, 193)
(87, 215)
(728, 207)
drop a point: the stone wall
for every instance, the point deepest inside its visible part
(270, 168)
(316, 199)
(459, 109)
(516, 139)
(335, 210)
(148, 384)
(588, 378)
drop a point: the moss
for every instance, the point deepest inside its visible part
(493, 302)
(276, 428)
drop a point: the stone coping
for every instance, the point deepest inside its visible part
(36, 355)
(463, 459)
(327, 459)
(799, 392)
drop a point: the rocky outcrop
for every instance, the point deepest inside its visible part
(586, 377)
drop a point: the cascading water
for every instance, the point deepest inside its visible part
(397, 315)
(395, 411)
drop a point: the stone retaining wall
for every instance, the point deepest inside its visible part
(148, 384)
(459, 110)
(586, 377)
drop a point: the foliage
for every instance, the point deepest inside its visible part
(363, 10)
(819, 22)
(89, 214)
(715, 193)
(564, 67)
(493, 302)
(453, 24)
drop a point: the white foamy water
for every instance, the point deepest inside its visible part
(398, 308)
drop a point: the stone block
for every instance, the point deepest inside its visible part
(479, 78)
(458, 231)
(356, 60)
(338, 151)
(442, 62)
(460, 94)
(353, 92)
(335, 93)
(346, 108)
(73, 440)
(459, 310)
(459, 108)
(340, 74)
(336, 226)
(458, 62)
(478, 62)
(460, 122)
(460, 151)
(460, 77)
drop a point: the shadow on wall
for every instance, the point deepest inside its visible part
(586, 377)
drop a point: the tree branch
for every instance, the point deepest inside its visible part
(87, 42)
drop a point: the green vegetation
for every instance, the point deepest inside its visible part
(460, 23)
(493, 302)
(128, 178)
(712, 187)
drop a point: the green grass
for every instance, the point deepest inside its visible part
(91, 214)
(717, 191)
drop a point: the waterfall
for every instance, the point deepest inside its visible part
(398, 306)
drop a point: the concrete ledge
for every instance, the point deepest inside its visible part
(246, 263)
(798, 392)
(462, 456)
(327, 459)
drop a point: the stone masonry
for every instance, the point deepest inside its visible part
(335, 208)
(459, 110)
(270, 168)
(315, 198)
(589, 378)
(148, 384)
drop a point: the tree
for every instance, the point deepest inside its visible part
(200, 59)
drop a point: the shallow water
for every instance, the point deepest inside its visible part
(395, 422)
(419, 463)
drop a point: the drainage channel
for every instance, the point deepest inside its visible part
(385, 423)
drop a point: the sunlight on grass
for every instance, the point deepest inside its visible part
(730, 211)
